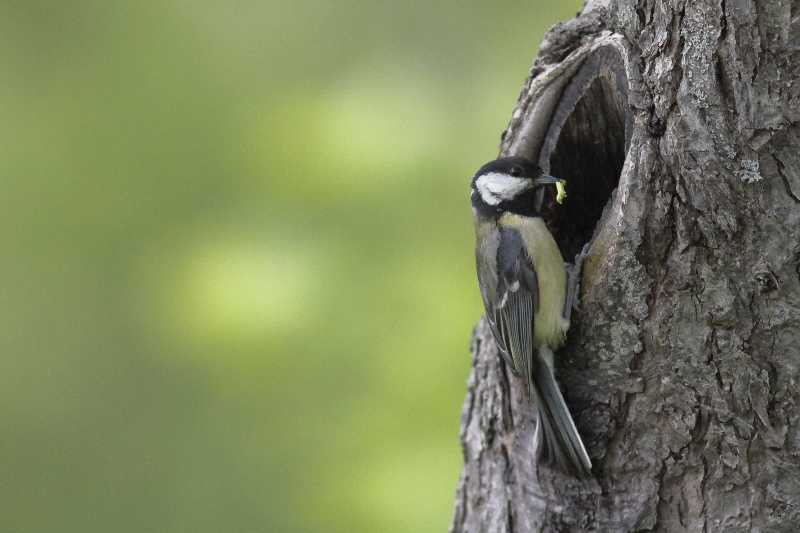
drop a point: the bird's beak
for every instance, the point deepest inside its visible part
(561, 192)
(545, 180)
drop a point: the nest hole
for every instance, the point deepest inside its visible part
(589, 154)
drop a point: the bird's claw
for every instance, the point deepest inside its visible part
(574, 272)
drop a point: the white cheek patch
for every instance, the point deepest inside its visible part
(496, 187)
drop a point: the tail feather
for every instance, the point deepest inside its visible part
(559, 441)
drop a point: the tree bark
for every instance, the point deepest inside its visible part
(676, 125)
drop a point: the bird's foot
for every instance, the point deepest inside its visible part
(574, 272)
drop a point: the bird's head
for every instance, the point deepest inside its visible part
(510, 185)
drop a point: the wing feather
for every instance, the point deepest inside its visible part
(510, 293)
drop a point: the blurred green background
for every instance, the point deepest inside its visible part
(237, 280)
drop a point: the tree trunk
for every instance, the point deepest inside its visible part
(675, 124)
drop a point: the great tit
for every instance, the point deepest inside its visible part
(523, 282)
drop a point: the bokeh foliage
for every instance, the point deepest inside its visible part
(237, 277)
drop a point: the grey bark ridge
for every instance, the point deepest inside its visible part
(676, 126)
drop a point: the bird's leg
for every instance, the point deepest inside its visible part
(574, 282)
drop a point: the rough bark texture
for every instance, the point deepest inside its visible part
(676, 124)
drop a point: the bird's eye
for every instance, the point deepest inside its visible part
(516, 171)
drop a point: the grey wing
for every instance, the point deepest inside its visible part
(510, 291)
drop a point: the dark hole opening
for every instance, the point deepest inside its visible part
(589, 154)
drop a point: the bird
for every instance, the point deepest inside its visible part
(524, 286)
